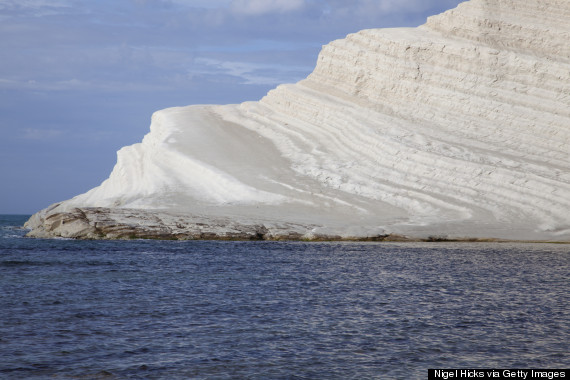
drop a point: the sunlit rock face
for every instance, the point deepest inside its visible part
(459, 128)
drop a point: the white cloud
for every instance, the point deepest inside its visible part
(40, 134)
(44, 85)
(209, 4)
(35, 8)
(393, 6)
(252, 73)
(34, 4)
(257, 7)
(202, 3)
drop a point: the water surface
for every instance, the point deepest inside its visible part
(260, 310)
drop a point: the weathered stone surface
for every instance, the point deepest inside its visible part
(107, 223)
(95, 223)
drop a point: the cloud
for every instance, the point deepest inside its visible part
(37, 8)
(5, 4)
(258, 7)
(201, 3)
(252, 73)
(41, 134)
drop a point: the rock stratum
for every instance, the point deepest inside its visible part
(457, 129)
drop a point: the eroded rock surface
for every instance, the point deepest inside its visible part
(120, 223)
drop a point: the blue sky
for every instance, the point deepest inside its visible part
(79, 79)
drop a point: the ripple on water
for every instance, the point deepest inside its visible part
(278, 310)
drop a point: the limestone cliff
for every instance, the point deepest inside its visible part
(459, 128)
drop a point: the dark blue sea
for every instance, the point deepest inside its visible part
(270, 310)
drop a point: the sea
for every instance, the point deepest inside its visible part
(142, 309)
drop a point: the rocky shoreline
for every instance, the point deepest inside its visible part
(99, 223)
(107, 223)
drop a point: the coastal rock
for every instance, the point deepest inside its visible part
(457, 129)
(120, 223)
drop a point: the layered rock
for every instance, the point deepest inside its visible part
(459, 128)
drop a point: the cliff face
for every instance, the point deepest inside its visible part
(458, 128)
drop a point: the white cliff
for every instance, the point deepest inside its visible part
(459, 128)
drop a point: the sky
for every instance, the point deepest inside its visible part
(79, 79)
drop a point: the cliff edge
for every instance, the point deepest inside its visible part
(457, 129)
